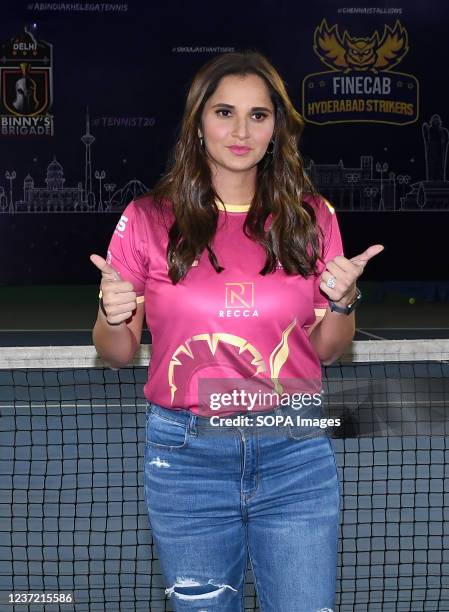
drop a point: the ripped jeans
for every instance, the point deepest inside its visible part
(218, 495)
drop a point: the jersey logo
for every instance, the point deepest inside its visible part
(207, 345)
(239, 300)
(121, 225)
(239, 295)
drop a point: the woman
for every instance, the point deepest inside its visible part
(235, 256)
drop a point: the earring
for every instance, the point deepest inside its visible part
(202, 142)
(270, 151)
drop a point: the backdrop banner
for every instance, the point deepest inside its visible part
(92, 95)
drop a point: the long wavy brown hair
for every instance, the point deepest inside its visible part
(292, 237)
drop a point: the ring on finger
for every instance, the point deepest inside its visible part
(331, 282)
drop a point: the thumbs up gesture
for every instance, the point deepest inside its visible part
(338, 281)
(119, 297)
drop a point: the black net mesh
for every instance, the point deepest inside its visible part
(72, 511)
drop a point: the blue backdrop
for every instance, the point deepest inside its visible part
(92, 96)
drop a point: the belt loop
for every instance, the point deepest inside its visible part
(193, 424)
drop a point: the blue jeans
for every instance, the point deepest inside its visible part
(216, 495)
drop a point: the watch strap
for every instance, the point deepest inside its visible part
(350, 307)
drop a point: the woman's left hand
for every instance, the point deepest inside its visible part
(345, 273)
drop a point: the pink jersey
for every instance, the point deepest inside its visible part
(213, 327)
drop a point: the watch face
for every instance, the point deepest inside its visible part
(356, 301)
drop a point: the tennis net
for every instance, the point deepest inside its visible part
(73, 519)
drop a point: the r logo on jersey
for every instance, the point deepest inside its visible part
(239, 300)
(239, 295)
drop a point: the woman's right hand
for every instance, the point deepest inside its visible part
(119, 297)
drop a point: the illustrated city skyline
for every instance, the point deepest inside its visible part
(369, 187)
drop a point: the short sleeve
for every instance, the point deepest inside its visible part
(126, 250)
(332, 246)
